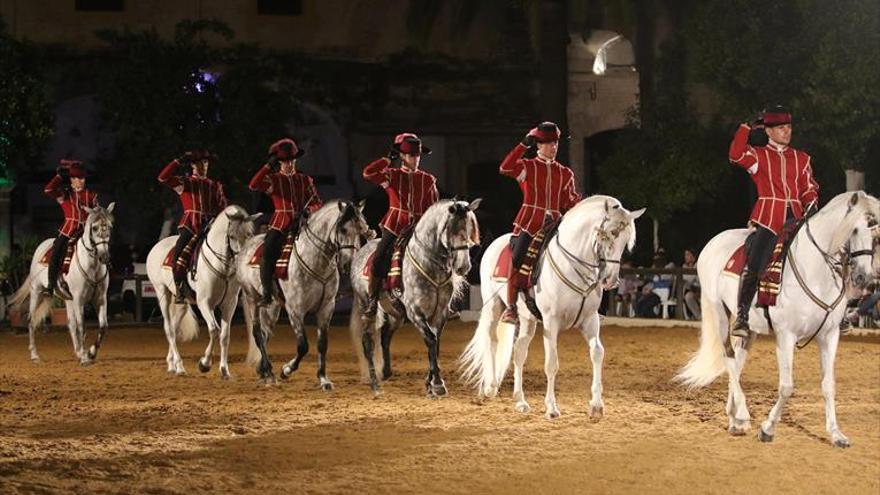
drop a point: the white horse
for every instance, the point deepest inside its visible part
(215, 285)
(581, 261)
(323, 249)
(87, 279)
(811, 304)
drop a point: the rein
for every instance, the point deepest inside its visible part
(93, 283)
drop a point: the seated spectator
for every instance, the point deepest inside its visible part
(661, 262)
(647, 302)
(869, 304)
(691, 285)
(626, 290)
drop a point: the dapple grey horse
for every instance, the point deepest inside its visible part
(435, 265)
(323, 248)
(87, 279)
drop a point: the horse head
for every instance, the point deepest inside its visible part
(97, 231)
(239, 226)
(459, 233)
(858, 237)
(350, 228)
(615, 233)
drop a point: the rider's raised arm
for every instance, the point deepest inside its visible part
(168, 179)
(433, 192)
(93, 199)
(807, 184)
(377, 172)
(54, 190)
(513, 165)
(741, 153)
(220, 197)
(260, 181)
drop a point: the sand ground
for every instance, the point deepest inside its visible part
(123, 425)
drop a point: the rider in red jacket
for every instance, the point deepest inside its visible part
(410, 193)
(74, 201)
(548, 191)
(293, 194)
(202, 199)
(786, 190)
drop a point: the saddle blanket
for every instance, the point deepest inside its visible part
(283, 262)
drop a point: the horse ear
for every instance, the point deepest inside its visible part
(235, 215)
(361, 204)
(111, 206)
(342, 205)
(475, 204)
(254, 217)
(636, 214)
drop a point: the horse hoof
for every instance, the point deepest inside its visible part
(763, 436)
(735, 431)
(224, 374)
(439, 390)
(93, 352)
(387, 374)
(843, 443)
(286, 372)
(181, 372)
(36, 359)
(552, 414)
(204, 368)
(596, 412)
(85, 362)
(327, 387)
(523, 407)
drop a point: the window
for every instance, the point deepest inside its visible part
(279, 7)
(100, 5)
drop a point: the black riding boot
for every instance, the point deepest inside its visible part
(379, 270)
(178, 268)
(519, 246)
(59, 249)
(748, 287)
(271, 252)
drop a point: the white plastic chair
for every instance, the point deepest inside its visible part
(665, 301)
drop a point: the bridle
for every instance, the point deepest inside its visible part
(93, 252)
(330, 248)
(602, 236)
(443, 261)
(227, 259)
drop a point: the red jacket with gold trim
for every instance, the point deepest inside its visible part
(410, 193)
(202, 198)
(290, 195)
(547, 187)
(783, 176)
(73, 204)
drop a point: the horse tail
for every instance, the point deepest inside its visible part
(21, 296)
(484, 361)
(253, 355)
(708, 362)
(189, 325)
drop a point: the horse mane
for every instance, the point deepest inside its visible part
(844, 226)
(434, 213)
(595, 205)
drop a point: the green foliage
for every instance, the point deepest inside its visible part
(664, 161)
(820, 57)
(14, 267)
(25, 115)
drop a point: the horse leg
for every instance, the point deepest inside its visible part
(165, 308)
(520, 353)
(551, 366)
(785, 342)
(264, 369)
(323, 317)
(32, 324)
(590, 331)
(176, 362)
(226, 314)
(386, 332)
(76, 312)
(213, 333)
(302, 342)
(101, 304)
(827, 354)
(739, 419)
(367, 336)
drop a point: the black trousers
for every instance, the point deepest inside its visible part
(382, 258)
(184, 236)
(59, 248)
(271, 251)
(759, 249)
(519, 246)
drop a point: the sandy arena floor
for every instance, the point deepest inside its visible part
(124, 426)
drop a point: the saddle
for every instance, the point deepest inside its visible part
(394, 280)
(188, 256)
(283, 262)
(770, 280)
(68, 257)
(531, 266)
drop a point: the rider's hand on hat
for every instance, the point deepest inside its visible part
(185, 159)
(393, 154)
(529, 140)
(272, 162)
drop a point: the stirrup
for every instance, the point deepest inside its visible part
(510, 316)
(740, 328)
